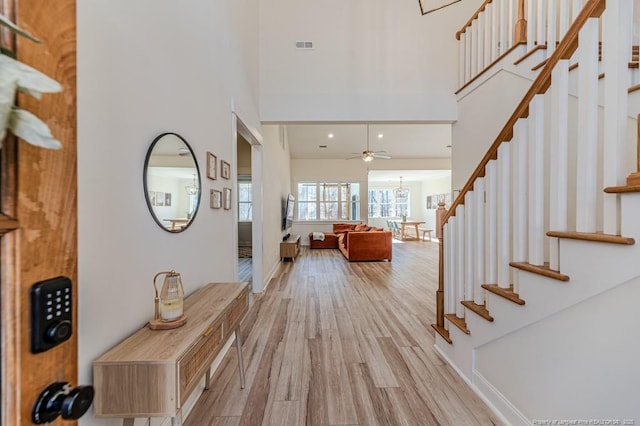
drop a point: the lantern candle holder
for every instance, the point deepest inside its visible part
(168, 305)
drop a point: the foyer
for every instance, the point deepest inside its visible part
(334, 342)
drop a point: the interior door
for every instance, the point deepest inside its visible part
(39, 209)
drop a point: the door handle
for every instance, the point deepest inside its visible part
(59, 399)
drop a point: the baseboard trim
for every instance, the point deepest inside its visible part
(267, 279)
(474, 388)
(498, 400)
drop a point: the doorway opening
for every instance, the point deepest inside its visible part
(247, 183)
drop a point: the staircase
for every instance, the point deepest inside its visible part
(539, 266)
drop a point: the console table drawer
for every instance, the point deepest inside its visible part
(238, 309)
(192, 366)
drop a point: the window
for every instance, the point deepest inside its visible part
(386, 203)
(328, 201)
(244, 201)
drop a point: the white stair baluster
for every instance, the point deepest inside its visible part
(488, 30)
(512, 17)
(503, 217)
(558, 156)
(466, 39)
(564, 19)
(478, 292)
(531, 24)
(576, 7)
(495, 32)
(469, 212)
(450, 250)
(449, 283)
(461, 65)
(481, 40)
(536, 180)
(541, 15)
(491, 189)
(460, 260)
(552, 10)
(618, 22)
(473, 33)
(504, 36)
(520, 179)
(587, 164)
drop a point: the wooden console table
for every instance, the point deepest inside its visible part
(290, 248)
(152, 373)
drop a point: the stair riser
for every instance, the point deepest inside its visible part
(595, 267)
(630, 205)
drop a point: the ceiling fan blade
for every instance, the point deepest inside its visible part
(359, 156)
(382, 156)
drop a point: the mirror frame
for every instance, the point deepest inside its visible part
(146, 189)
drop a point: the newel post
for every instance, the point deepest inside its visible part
(520, 35)
(441, 212)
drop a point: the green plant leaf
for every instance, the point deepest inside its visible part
(6, 22)
(31, 129)
(26, 78)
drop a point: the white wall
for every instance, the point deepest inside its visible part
(372, 60)
(481, 115)
(433, 187)
(569, 366)
(277, 185)
(147, 67)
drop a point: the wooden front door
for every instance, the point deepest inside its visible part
(39, 208)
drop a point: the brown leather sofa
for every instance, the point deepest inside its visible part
(357, 242)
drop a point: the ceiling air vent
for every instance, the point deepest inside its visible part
(304, 45)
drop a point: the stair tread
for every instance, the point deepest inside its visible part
(597, 236)
(458, 322)
(478, 309)
(507, 293)
(530, 52)
(622, 189)
(442, 332)
(540, 270)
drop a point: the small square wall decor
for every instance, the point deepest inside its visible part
(215, 199)
(225, 169)
(226, 198)
(212, 166)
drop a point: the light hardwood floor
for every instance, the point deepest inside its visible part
(338, 343)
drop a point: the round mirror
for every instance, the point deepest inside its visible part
(172, 182)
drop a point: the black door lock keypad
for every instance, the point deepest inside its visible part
(51, 313)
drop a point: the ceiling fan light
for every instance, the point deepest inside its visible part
(367, 157)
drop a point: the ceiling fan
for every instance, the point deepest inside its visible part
(367, 155)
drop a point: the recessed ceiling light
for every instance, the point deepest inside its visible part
(380, 135)
(330, 135)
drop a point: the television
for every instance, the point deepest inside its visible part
(287, 220)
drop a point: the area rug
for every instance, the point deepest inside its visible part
(244, 252)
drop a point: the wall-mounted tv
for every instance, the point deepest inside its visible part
(287, 220)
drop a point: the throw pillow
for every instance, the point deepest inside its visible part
(361, 227)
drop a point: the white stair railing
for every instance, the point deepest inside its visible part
(502, 214)
(499, 25)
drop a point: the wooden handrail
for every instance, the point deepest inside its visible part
(473, 18)
(566, 48)
(521, 24)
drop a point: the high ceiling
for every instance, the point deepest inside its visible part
(398, 140)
